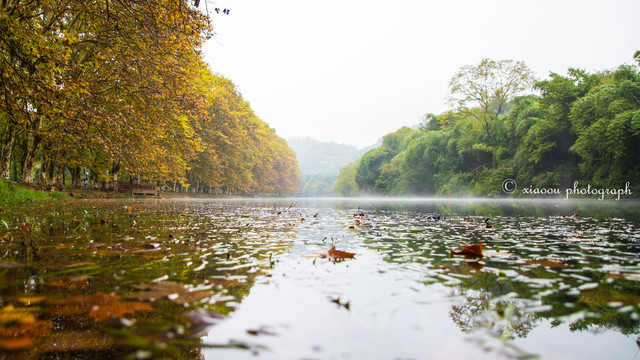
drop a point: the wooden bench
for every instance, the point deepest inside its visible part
(146, 189)
(137, 189)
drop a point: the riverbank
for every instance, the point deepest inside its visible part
(12, 192)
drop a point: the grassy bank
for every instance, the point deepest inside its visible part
(12, 192)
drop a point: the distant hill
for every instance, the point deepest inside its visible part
(320, 163)
(317, 157)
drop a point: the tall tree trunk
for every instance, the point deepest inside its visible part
(42, 180)
(75, 177)
(54, 173)
(62, 176)
(27, 166)
(33, 142)
(5, 155)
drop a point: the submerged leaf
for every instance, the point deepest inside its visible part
(575, 239)
(30, 300)
(90, 340)
(100, 307)
(201, 319)
(12, 344)
(10, 265)
(176, 292)
(24, 329)
(498, 254)
(547, 263)
(632, 276)
(102, 313)
(10, 314)
(33, 329)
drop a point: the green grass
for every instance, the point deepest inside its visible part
(12, 192)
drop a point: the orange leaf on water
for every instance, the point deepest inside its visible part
(339, 254)
(474, 250)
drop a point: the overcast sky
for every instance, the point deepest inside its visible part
(351, 71)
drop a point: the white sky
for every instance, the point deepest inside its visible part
(351, 71)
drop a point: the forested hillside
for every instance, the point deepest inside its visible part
(320, 163)
(580, 126)
(105, 89)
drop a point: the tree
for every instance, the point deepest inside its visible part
(346, 184)
(483, 92)
(371, 163)
(607, 121)
(114, 77)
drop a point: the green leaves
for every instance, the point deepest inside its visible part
(584, 127)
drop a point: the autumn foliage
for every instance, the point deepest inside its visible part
(104, 88)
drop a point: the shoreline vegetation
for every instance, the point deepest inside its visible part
(94, 94)
(509, 134)
(12, 192)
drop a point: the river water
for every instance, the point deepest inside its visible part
(254, 278)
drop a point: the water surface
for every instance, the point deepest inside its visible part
(246, 278)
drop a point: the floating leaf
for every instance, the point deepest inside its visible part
(339, 254)
(262, 330)
(474, 250)
(332, 254)
(345, 304)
